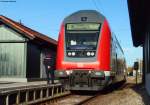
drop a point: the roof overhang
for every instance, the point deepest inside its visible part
(33, 35)
(139, 14)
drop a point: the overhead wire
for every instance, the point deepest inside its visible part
(100, 3)
(95, 4)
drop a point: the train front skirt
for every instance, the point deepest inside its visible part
(83, 79)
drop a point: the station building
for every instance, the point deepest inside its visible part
(22, 52)
(140, 27)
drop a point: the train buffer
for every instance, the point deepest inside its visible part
(29, 93)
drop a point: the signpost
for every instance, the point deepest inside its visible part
(136, 67)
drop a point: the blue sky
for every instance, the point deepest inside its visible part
(46, 17)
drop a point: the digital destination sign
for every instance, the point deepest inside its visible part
(83, 26)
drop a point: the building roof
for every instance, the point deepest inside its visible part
(139, 16)
(26, 31)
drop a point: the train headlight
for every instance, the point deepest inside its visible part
(69, 72)
(73, 53)
(92, 53)
(69, 53)
(88, 54)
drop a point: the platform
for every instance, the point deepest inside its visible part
(28, 93)
(12, 85)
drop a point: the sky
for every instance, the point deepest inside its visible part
(46, 16)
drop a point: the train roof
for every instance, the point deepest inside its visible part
(91, 15)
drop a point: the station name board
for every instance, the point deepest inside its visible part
(83, 26)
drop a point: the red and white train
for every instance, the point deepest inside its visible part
(89, 57)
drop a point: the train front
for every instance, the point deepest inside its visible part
(81, 65)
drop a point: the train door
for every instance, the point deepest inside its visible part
(113, 58)
(116, 62)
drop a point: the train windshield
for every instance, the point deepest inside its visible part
(81, 41)
(82, 37)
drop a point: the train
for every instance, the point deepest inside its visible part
(89, 56)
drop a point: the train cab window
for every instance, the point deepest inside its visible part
(81, 40)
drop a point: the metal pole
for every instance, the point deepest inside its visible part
(7, 100)
(136, 77)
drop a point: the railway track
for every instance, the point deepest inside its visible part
(82, 98)
(73, 99)
(70, 99)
